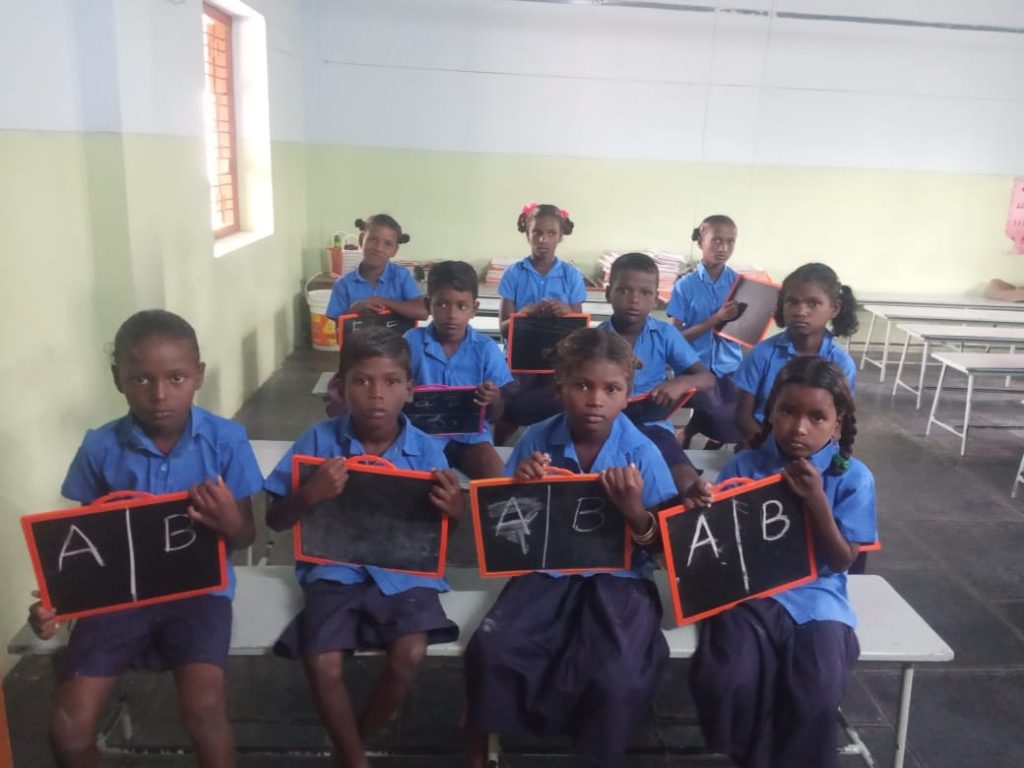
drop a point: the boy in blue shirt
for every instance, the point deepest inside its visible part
(164, 445)
(632, 291)
(697, 306)
(378, 285)
(449, 352)
(353, 607)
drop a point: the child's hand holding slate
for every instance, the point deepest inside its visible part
(373, 305)
(487, 393)
(625, 488)
(698, 494)
(327, 482)
(728, 311)
(804, 479)
(668, 392)
(42, 621)
(446, 494)
(533, 467)
(213, 505)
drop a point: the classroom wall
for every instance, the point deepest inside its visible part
(104, 211)
(887, 151)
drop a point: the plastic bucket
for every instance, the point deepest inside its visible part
(321, 328)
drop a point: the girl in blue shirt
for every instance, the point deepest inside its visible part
(769, 674)
(352, 607)
(697, 306)
(164, 445)
(810, 299)
(540, 285)
(578, 654)
(378, 285)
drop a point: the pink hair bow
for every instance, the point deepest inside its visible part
(564, 213)
(529, 208)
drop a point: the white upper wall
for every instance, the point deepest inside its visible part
(538, 78)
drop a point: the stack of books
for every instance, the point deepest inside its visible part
(670, 266)
(497, 268)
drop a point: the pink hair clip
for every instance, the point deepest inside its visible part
(529, 208)
(564, 213)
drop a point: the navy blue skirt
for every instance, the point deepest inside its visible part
(714, 412)
(767, 689)
(351, 617)
(572, 655)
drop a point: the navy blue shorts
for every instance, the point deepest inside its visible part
(351, 617)
(196, 630)
(667, 444)
(714, 412)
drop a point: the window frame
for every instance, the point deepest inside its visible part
(226, 19)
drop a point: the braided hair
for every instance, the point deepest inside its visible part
(819, 373)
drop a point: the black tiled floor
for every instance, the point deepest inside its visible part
(952, 540)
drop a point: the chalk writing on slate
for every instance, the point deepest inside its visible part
(445, 410)
(349, 324)
(531, 340)
(561, 523)
(642, 410)
(121, 554)
(752, 541)
(383, 517)
(758, 300)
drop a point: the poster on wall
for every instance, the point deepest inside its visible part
(1015, 218)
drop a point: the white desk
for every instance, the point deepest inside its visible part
(962, 315)
(490, 306)
(972, 364)
(912, 300)
(929, 334)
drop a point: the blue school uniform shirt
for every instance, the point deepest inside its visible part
(758, 370)
(625, 445)
(476, 360)
(694, 299)
(659, 347)
(333, 438)
(395, 282)
(523, 284)
(851, 495)
(119, 457)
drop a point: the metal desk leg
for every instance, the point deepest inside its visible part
(903, 720)
(935, 402)
(920, 378)
(967, 413)
(885, 351)
(867, 341)
(899, 369)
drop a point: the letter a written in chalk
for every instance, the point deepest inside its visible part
(70, 540)
(697, 541)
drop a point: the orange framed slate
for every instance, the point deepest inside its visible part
(126, 554)
(760, 299)
(385, 319)
(640, 410)
(537, 501)
(727, 595)
(387, 514)
(527, 350)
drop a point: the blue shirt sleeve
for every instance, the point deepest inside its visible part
(407, 286)
(240, 470)
(678, 353)
(751, 374)
(854, 505)
(494, 365)
(677, 301)
(339, 301)
(279, 481)
(850, 369)
(659, 487)
(83, 482)
(507, 286)
(577, 287)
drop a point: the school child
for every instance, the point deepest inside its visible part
(541, 284)
(769, 674)
(164, 444)
(632, 291)
(352, 607)
(378, 285)
(697, 306)
(451, 353)
(811, 298)
(578, 654)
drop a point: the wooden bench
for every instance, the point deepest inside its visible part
(971, 364)
(268, 597)
(950, 335)
(963, 315)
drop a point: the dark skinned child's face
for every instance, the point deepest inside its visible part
(632, 295)
(380, 244)
(807, 309)
(452, 310)
(375, 390)
(804, 419)
(716, 245)
(544, 234)
(159, 376)
(594, 393)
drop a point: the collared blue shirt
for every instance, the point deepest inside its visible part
(695, 298)
(758, 370)
(333, 438)
(851, 495)
(523, 284)
(395, 282)
(625, 445)
(660, 347)
(477, 359)
(120, 457)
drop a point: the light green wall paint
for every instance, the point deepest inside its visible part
(881, 230)
(92, 228)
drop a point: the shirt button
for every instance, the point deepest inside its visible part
(163, 467)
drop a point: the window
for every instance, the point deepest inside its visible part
(219, 122)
